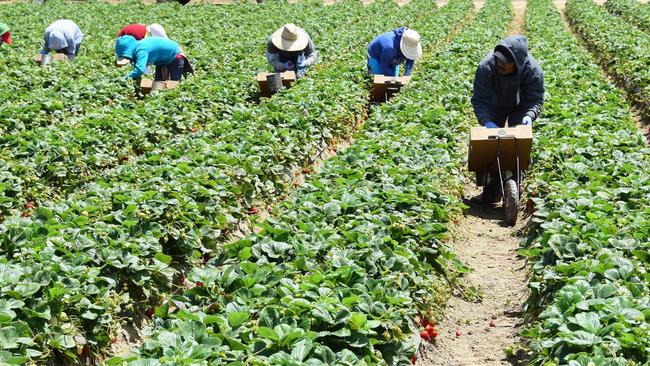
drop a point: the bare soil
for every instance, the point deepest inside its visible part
(519, 19)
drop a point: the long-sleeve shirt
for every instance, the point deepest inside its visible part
(522, 90)
(156, 51)
(63, 35)
(385, 48)
(138, 31)
(277, 57)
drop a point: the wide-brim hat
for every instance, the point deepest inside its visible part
(410, 45)
(290, 38)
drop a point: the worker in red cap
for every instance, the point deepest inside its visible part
(139, 31)
(5, 34)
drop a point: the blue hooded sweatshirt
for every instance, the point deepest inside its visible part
(385, 49)
(149, 51)
(523, 90)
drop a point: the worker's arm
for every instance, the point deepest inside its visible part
(482, 96)
(533, 92)
(387, 56)
(46, 48)
(141, 58)
(409, 67)
(310, 55)
(273, 57)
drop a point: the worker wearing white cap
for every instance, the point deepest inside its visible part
(290, 49)
(63, 36)
(390, 49)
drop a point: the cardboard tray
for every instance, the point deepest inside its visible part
(288, 78)
(55, 57)
(483, 148)
(148, 85)
(380, 82)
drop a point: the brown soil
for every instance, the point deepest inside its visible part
(441, 3)
(517, 25)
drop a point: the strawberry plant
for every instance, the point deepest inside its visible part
(620, 47)
(589, 234)
(631, 11)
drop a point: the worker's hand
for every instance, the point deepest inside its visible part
(527, 120)
(490, 124)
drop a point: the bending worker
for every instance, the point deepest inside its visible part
(290, 49)
(509, 85)
(5, 34)
(165, 54)
(390, 49)
(139, 31)
(63, 36)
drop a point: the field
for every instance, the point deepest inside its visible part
(207, 225)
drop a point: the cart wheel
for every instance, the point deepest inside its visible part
(511, 201)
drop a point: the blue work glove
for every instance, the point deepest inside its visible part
(490, 124)
(527, 120)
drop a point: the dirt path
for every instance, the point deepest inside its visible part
(483, 321)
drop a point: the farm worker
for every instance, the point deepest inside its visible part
(63, 36)
(139, 31)
(5, 34)
(509, 85)
(164, 53)
(290, 49)
(388, 50)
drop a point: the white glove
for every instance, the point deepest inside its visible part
(526, 120)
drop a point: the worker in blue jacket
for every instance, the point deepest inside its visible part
(508, 86)
(387, 51)
(63, 36)
(164, 53)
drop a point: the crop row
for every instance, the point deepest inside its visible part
(84, 262)
(44, 162)
(589, 234)
(631, 11)
(621, 48)
(341, 269)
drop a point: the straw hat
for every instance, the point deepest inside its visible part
(290, 38)
(410, 44)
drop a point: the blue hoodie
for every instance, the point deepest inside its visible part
(149, 51)
(522, 90)
(385, 49)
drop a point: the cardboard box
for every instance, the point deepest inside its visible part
(384, 87)
(484, 142)
(288, 78)
(55, 57)
(122, 62)
(148, 85)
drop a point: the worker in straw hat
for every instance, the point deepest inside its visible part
(63, 36)
(5, 35)
(390, 49)
(290, 49)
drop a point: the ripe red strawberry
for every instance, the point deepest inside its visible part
(194, 129)
(26, 214)
(199, 284)
(85, 351)
(30, 205)
(425, 335)
(434, 334)
(254, 210)
(458, 333)
(413, 359)
(493, 324)
(149, 313)
(430, 328)
(113, 339)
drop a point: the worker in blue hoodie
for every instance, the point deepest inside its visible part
(387, 51)
(164, 53)
(508, 86)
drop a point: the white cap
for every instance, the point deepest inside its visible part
(410, 44)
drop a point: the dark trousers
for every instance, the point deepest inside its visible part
(513, 116)
(172, 71)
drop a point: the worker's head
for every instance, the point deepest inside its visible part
(57, 41)
(125, 47)
(290, 38)
(410, 44)
(505, 61)
(5, 35)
